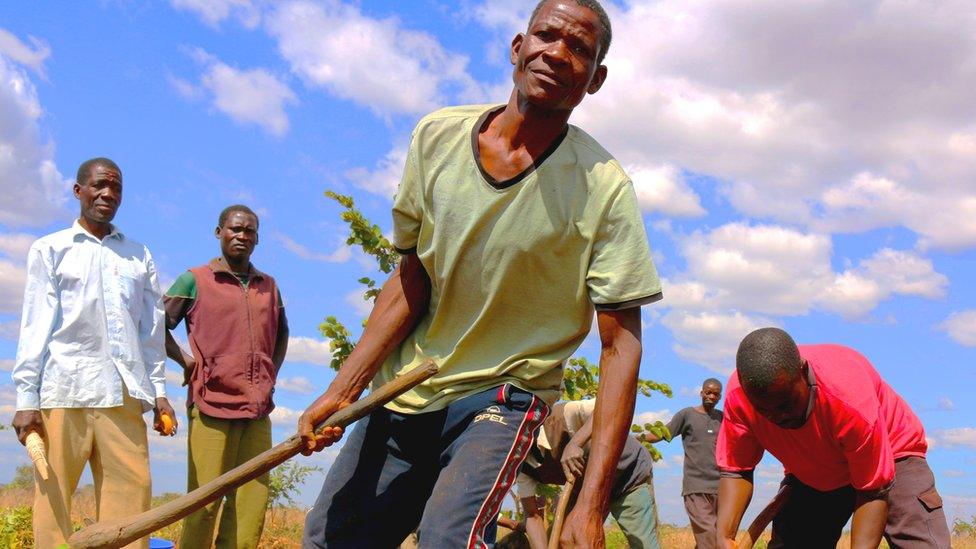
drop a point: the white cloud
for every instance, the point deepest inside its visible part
(13, 276)
(712, 87)
(186, 89)
(10, 330)
(340, 255)
(773, 471)
(710, 339)
(740, 277)
(385, 178)
(15, 245)
(12, 279)
(213, 12)
(944, 218)
(296, 384)
(326, 44)
(905, 273)
(169, 449)
(855, 292)
(507, 15)
(661, 189)
(253, 96)
(355, 300)
(29, 56)
(946, 403)
(285, 416)
(27, 168)
(775, 270)
(308, 351)
(961, 327)
(653, 415)
(248, 96)
(6, 364)
(957, 437)
(763, 268)
(173, 377)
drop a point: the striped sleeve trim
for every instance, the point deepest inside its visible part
(629, 303)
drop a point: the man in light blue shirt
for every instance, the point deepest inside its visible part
(90, 360)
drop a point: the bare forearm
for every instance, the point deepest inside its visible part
(867, 527)
(611, 420)
(174, 351)
(616, 395)
(399, 307)
(584, 433)
(734, 495)
(535, 531)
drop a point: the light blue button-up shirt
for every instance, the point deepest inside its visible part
(92, 324)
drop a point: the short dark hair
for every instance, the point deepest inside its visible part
(84, 171)
(763, 356)
(225, 213)
(712, 381)
(601, 14)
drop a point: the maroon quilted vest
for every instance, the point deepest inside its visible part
(232, 332)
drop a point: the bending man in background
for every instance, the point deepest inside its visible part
(849, 444)
(559, 454)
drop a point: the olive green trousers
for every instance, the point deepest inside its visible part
(215, 447)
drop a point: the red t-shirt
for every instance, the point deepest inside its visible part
(857, 428)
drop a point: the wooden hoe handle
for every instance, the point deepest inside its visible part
(120, 532)
(557, 526)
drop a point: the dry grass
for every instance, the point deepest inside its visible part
(283, 527)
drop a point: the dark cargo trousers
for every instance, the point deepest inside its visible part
(445, 472)
(916, 519)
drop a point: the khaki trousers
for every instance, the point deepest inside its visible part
(215, 447)
(113, 441)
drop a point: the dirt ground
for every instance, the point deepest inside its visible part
(283, 527)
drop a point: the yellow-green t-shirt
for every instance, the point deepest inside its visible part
(516, 267)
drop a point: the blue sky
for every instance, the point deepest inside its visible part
(810, 165)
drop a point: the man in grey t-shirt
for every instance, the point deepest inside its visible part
(698, 428)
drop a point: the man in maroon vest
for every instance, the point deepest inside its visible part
(238, 334)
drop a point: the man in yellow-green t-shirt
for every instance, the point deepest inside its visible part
(514, 226)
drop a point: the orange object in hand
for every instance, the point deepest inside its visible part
(168, 426)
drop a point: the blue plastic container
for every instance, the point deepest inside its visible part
(160, 543)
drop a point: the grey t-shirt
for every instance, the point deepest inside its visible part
(633, 469)
(698, 432)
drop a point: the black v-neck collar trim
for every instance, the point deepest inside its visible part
(476, 151)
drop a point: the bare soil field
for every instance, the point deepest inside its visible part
(283, 527)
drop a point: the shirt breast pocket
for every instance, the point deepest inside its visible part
(130, 280)
(72, 274)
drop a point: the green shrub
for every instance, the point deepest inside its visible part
(15, 527)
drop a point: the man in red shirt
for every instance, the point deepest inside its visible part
(849, 444)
